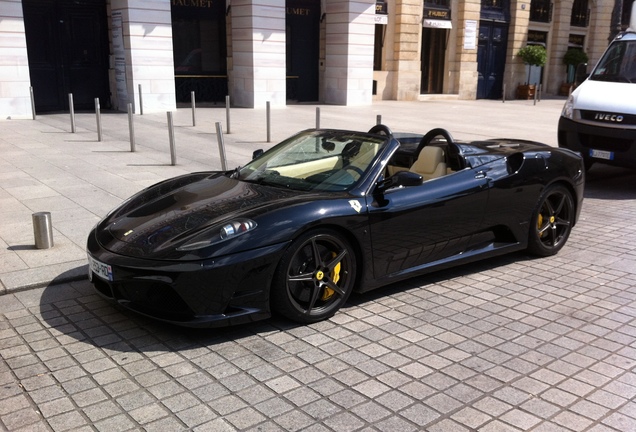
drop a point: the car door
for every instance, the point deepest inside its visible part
(412, 227)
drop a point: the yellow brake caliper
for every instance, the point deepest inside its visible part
(335, 277)
(540, 224)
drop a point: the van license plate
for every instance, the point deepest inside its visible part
(102, 270)
(601, 154)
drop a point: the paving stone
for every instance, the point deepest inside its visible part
(509, 344)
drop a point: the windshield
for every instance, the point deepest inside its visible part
(326, 160)
(618, 64)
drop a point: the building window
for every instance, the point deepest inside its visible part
(541, 11)
(437, 3)
(496, 10)
(379, 45)
(580, 14)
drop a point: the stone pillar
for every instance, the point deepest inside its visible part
(516, 70)
(348, 77)
(15, 98)
(147, 35)
(406, 62)
(464, 69)
(258, 73)
(561, 15)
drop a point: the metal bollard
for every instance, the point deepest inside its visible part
(141, 101)
(227, 113)
(219, 138)
(173, 150)
(378, 119)
(317, 117)
(269, 128)
(131, 127)
(32, 103)
(194, 108)
(98, 119)
(42, 230)
(71, 110)
(536, 90)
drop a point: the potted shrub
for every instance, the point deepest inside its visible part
(572, 58)
(532, 55)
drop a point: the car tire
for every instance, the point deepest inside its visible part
(551, 221)
(315, 277)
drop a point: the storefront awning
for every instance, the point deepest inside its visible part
(441, 24)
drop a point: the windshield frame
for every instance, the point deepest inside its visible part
(317, 160)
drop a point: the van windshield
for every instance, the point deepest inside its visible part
(618, 64)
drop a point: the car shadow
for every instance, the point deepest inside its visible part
(75, 310)
(610, 183)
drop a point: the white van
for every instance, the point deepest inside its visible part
(599, 117)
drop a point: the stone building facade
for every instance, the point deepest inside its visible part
(344, 52)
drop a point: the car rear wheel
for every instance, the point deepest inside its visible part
(315, 277)
(552, 221)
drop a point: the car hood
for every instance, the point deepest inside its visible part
(163, 216)
(605, 96)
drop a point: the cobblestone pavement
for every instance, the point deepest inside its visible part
(514, 343)
(508, 344)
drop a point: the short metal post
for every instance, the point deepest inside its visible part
(536, 90)
(503, 95)
(42, 230)
(317, 117)
(141, 101)
(32, 102)
(227, 113)
(131, 126)
(173, 150)
(219, 138)
(268, 117)
(98, 118)
(71, 110)
(378, 119)
(194, 108)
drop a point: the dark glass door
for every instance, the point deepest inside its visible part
(303, 43)
(433, 50)
(67, 45)
(491, 59)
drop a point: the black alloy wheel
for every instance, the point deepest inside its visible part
(315, 277)
(552, 221)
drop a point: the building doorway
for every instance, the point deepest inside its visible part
(67, 47)
(199, 50)
(302, 51)
(432, 58)
(491, 59)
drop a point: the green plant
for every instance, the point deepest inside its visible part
(533, 55)
(574, 57)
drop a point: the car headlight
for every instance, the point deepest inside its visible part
(218, 234)
(568, 108)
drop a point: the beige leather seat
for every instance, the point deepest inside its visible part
(430, 163)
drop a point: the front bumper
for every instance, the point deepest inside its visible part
(619, 144)
(228, 290)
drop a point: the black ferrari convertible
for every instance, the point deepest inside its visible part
(327, 212)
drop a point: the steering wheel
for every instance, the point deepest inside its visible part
(381, 129)
(354, 169)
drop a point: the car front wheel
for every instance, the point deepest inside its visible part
(552, 221)
(315, 277)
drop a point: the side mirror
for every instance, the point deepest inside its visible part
(401, 179)
(581, 73)
(257, 153)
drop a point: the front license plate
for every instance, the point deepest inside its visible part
(602, 154)
(102, 270)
